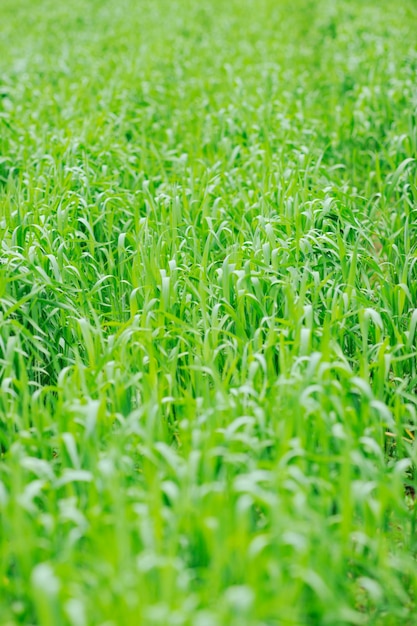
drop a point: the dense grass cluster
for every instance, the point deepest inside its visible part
(208, 332)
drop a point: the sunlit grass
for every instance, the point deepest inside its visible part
(208, 313)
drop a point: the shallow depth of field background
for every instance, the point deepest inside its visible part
(208, 313)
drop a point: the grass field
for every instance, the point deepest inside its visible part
(208, 313)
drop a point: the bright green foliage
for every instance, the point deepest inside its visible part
(208, 332)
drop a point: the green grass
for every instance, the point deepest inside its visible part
(208, 322)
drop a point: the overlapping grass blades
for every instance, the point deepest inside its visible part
(207, 313)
